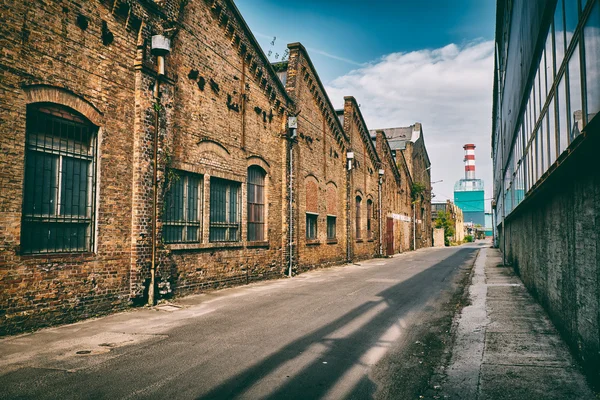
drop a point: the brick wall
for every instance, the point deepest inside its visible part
(79, 55)
(221, 110)
(364, 178)
(319, 164)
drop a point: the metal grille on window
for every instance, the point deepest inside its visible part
(182, 217)
(311, 226)
(369, 214)
(60, 181)
(358, 201)
(256, 204)
(224, 211)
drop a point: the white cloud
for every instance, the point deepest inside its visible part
(448, 90)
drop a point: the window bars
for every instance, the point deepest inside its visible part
(59, 198)
(183, 210)
(256, 204)
(224, 211)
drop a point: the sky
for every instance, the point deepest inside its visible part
(405, 61)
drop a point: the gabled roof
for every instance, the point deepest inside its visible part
(397, 137)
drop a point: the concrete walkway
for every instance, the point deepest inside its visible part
(506, 347)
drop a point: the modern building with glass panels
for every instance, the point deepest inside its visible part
(545, 145)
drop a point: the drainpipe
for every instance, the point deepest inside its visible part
(161, 46)
(381, 172)
(291, 223)
(414, 225)
(292, 126)
(349, 158)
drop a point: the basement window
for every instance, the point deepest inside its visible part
(60, 181)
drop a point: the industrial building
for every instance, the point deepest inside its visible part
(545, 140)
(469, 193)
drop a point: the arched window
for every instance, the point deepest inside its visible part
(369, 216)
(358, 202)
(60, 180)
(256, 204)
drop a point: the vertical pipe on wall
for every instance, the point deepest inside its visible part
(379, 206)
(291, 216)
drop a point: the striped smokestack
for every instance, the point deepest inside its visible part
(469, 161)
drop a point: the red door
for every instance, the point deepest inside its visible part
(389, 237)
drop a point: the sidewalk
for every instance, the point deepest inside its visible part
(506, 347)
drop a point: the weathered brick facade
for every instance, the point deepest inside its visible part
(364, 177)
(319, 166)
(221, 112)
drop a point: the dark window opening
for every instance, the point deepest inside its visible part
(60, 181)
(224, 211)
(311, 226)
(358, 222)
(183, 215)
(331, 227)
(256, 204)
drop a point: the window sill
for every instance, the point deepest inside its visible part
(255, 244)
(371, 240)
(332, 241)
(202, 246)
(58, 256)
(359, 240)
(313, 242)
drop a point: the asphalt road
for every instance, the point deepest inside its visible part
(319, 335)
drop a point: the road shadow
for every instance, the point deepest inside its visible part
(317, 378)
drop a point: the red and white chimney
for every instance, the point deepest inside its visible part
(469, 161)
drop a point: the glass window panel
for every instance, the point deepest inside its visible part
(543, 90)
(592, 61)
(552, 132)
(559, 35)
(571, 18)
(331, 227)
(575, 102)
(74, 186)
(549, 60)
(563, 122)
(311, 226)
(41, 177)
(224, 211)
(536, 97)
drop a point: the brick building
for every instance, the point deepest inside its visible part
(146, 152)
(408, 146)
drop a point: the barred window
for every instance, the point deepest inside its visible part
(369, 215)
(59, 183)
(256, 204)
(224, 211)
(311, 226)
(183, 212)
(358, 203)
(331, 227)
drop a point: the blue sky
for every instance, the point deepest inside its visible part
(405, 61)
(363, 31)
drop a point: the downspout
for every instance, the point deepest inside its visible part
(160, 48)
(349, 158)
(381, 172)
(291, 197)
(414, 225)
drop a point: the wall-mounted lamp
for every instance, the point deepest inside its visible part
(161, 46)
